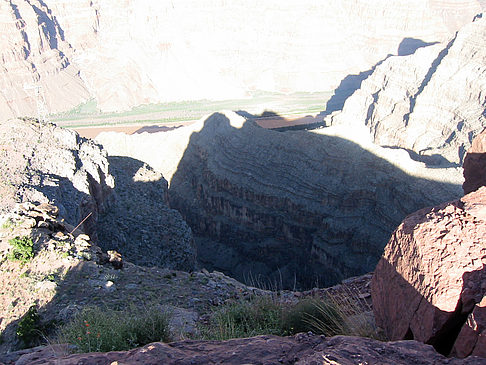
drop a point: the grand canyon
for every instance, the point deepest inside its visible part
(195, 156)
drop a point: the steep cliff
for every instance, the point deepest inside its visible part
(44, 163)
(126, 53)
(36, 72)
(432, 102)
(297, 207)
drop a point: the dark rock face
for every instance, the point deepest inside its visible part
(475, 164)
(139, 223)
(47, 164)
(296, 207)
(430, 283)
(300, 349)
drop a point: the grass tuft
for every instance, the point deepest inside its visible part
(102, 330)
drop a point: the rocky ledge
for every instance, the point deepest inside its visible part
(265, 350)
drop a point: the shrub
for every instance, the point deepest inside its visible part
(264, 315)
(102, 330)
(320, 316)
(258, 316)
(28, 328)
(22, 249)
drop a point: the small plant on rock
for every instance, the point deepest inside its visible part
(22, 249)
(28, 329)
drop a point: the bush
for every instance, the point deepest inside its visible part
(265, 315)
(22, 249)
(102, 330)
(258, 316)
(28, 328)
(320, 316)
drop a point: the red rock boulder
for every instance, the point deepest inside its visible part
(475, 164)
(433, 275)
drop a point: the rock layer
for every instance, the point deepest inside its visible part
(431, 103)
(285, 206)
(44, 163)
(209, 49)
(432, 275)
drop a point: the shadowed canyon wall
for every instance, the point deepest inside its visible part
(293, 208)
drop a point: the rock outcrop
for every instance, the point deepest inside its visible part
(48, 164)
(431, 103)
(139, 223)
(475, 164)
(203, 49)
(282, 206)
(299, 349)
(430, 283)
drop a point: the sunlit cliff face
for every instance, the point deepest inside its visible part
(127, 53)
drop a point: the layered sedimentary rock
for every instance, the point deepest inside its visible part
(475, 164)
(431, 102)
(130, 52)
(37, 75)
(297, 207)
(44, 163)
(429, 285)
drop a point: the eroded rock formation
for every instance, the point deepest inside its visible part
(139, 223)
(44, 163)
(475, 164)
(429, 285)
(431, 103)
(299, 208)
(300, 349)
(208, 49)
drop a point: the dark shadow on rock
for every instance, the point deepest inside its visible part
(351, 83)
(408, 46)
(401, 317)
(434, 161)
(155, 129)
(272, 120)
(296, 208)
(139, 224)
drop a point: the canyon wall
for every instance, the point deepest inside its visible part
(47, 164)
(431, 103)
(295, 208)
(126, 53)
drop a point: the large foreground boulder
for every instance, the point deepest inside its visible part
(430, 283)
(299, 349)
(475, 164)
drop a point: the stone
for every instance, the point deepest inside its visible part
(284, 206)
(50, 165)
(475, 164)
(300, 349)
(83, 45)
(430, 103)
(472, 338)
(431, 276)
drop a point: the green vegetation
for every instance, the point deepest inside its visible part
(8, 224)
(22, 249)
(265, 315)
(101, 330)
(29, 329)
